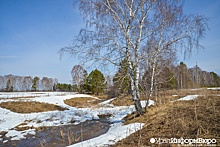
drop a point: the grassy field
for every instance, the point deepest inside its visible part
(199, 118)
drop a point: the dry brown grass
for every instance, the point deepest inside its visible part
(102, 97)
(29, 107)
(22, 126)
(193, 119)
(82, 102)
(123, 100)
(161, 97)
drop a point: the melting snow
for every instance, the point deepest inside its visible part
(115, 133)
(9, 119)
(188, 97)
(214, 88)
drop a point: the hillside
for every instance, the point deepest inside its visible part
(187, 119)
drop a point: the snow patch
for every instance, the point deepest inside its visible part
(30, 94)
(188, 98)
(107, 103)
(214, 88)
(174, 95)
(17, 135)
(9, 119)
(115, 133)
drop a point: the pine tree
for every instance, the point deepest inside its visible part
(167, 80)
(216, 79)
(121, 79)
(95, 82)
(9, 87)
(34, 86)
(183, 77)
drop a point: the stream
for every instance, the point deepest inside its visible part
(60, 136)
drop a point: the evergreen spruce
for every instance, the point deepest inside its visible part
(95, 82)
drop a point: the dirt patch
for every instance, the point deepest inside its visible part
(82, 102)
(199, 118)
(61, 136)
(30, 107)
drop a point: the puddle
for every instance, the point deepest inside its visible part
(60, 136)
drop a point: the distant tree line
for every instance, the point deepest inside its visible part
(11, 83)
(63, 87)
(166, 78)
(181, 77)
(194, 77)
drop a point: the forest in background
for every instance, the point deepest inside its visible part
(166, 78)
(9, 83)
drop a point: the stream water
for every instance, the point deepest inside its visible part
(60, 136)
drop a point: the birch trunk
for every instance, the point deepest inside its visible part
(134, 77)
(151, 84)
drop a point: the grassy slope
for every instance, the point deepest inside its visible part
(193, 119)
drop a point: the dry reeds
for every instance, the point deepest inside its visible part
(199, 118)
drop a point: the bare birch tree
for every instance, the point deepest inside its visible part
(78, 76)
(119, 29)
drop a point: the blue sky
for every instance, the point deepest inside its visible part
(209, 58)
(32, 32)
